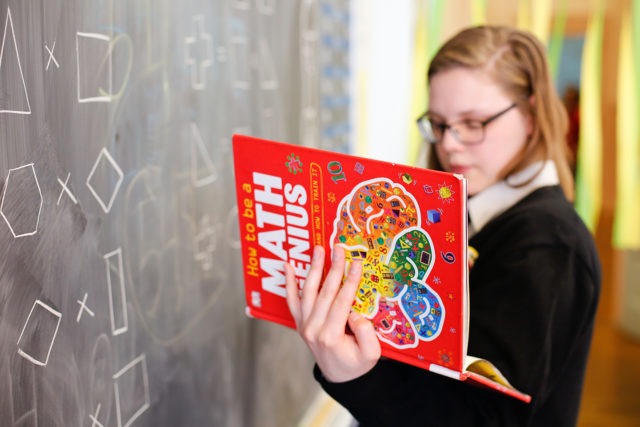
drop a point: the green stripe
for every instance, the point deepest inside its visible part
(589, 168)
(557, 38)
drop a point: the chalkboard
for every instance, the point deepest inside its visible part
(121, 300)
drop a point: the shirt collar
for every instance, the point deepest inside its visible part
(499, 197)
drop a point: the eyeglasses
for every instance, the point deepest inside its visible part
(468, 131)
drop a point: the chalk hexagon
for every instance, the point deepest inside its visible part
(22, 201)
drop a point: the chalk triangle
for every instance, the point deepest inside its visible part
(203, 170)
(13, 90)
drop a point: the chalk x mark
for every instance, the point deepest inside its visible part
(51, 57)
(65, 189)
(94, 418)
(83, 307)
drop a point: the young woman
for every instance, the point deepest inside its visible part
(495, 118)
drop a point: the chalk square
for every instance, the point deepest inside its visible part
(39, 333)
(131, 388)
(105, 180)
(117, 293)
(94, 67)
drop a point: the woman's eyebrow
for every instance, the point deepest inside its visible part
(461, 114)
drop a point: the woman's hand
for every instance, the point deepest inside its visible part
(322, 314)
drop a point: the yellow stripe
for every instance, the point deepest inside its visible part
(524, 15)
(429, 18)
(479, 12)
(589, 164)
(419, 83)
(557, 38)
(541, 19)
(626, 226)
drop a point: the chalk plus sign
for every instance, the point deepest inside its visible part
(199, 62)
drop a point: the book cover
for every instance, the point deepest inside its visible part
(408, 225)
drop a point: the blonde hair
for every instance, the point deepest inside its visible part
(516, 61)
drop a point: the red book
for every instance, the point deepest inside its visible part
(408, 225)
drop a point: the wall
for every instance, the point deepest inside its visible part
(121, 299)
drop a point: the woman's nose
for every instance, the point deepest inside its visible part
(450, 140)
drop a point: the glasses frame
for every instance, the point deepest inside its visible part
(426, 130)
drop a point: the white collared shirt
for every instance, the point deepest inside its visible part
(499, 197)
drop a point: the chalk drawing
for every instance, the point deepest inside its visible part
(98, 381)
(232, 230)
(205, 46)
(91, 42)
(203, 170)
(241, 4)
(24, 222)
(51, 57)
(134, 373)
(240, 63)
(83, 307)
(117, 293)
(310, 98)
(270, 100)
(267, 68)
(41, 329)
(221, 54)
(266, 7)
(114, 94)
(22, 395)
(5, 109)
(104, 156)
(205, 243)
(94, 418)
(65, 189)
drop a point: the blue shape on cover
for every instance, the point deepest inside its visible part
(433, 215)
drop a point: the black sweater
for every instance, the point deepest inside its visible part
(533, 296)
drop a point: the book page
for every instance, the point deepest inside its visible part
(486, 369)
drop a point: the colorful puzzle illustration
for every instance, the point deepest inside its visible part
(378, 222)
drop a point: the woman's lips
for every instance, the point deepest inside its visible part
(459, 169)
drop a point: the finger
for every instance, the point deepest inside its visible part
(365, 335)
(312, 282)
(317, 317)
(343, 300)
(293, 293)
(332, 282)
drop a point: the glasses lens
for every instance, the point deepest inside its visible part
(427, 130)
(430, 131)
(438, 129)
(469, 132)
